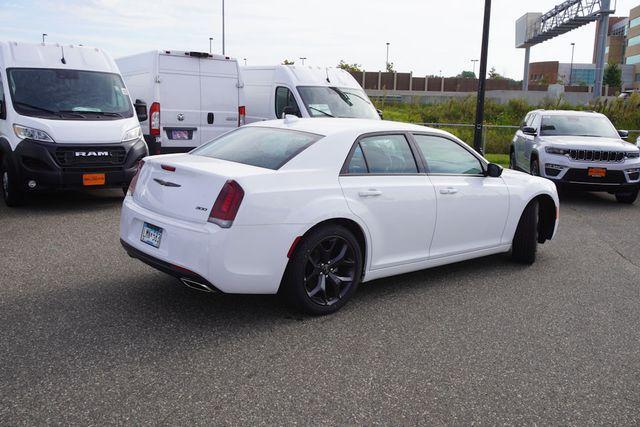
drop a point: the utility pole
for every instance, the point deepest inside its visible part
(43, 36)
(573, 48)
(223, 47)
(477, 137)
(601, 37)
(210, 44)
(302, 58)
(245, 62)
(473, 61)
(386, 67)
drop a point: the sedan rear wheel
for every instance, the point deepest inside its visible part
(324, 271)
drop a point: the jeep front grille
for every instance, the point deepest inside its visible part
(597, 156)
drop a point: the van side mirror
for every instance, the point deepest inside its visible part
(141, 110)
(528, 130)
(493, 170)
(624, 134)
(379, 111)
(291, 110)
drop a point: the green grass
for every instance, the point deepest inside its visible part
(501, 159)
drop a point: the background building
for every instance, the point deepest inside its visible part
(632, 51)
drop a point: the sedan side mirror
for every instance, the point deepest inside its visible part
(379, 111)
(528, 130)
(141, 110)
(493, 170)
(624, 134)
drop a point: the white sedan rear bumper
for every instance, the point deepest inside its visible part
(240, 259)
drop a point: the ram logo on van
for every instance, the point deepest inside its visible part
(92, 154)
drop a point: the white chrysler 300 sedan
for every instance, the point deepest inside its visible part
(310, 208)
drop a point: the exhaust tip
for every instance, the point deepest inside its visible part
(196, 285)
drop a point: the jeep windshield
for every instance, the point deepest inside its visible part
(578, 125)
(68, 94)
(325, 101)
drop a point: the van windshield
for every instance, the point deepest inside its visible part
(68, 94)
(326, 101)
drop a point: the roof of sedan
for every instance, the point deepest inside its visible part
(330, 126)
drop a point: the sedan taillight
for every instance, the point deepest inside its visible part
(134, 180)
(226, 207)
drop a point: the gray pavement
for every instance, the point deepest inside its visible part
(90, 336)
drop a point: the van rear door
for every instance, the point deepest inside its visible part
(179, 102)
(219, 97)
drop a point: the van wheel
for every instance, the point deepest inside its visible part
(324, 271)
(627, 198)
(12, 194)
(525, 241)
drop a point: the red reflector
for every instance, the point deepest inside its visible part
(226, 207)
(168, 168)
(293, 246)
(154, 119)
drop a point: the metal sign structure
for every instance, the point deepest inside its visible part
(535, 28)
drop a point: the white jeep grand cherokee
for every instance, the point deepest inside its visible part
(580, 150)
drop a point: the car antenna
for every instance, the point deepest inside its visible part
(64, 61)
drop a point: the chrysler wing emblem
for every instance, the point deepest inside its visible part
(166, 183)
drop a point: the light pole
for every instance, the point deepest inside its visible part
(223, 47)
(302, 58)
(245, 62)
(473, 61)
(387, 63)
(573, 48)
(210, 44)
(477, 136)
(43, 36)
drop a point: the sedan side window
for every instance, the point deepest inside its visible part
(383, 154)
(447, 157)
(285, 98)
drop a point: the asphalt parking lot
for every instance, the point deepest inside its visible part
(91, 336)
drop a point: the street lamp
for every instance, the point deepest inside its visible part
(473, 61)
(482, 81)
(210, 44)
(387, 63)
(302, 58)
(573, 47)
(43, 36)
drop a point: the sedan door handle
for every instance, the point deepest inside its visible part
(370, 193)
(448, 190)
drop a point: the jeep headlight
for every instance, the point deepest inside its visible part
(131, 134)
(632, 155)
(556, 150)
(24, 132)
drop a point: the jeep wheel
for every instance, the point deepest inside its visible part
(627, 198)
(535, 167)
(512, 160)
(12, 194)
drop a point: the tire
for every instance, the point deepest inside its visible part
(512, 160)
(535, 167)
(312, 282)
(627, 198)
(525, 241)
(12, 194)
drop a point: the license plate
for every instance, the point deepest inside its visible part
(151, 235)
(180, 134)
(597, 172)
(89, 179)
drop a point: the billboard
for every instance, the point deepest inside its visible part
(526, 27)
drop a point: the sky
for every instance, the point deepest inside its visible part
(425, 36)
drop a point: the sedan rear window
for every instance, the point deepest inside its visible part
(263, 147)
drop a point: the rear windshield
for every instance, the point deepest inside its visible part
(258, 146)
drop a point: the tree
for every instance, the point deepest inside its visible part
(390, 67)
(467, 75)
(352, 68)
(612, 75)
(287, 62)
(493, 74)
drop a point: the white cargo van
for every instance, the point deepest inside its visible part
(303, 91)
(193, 97)
(66, 120)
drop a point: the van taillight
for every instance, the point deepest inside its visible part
(242, 114)
(154, 119)
(226, 207)
(134, 180)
